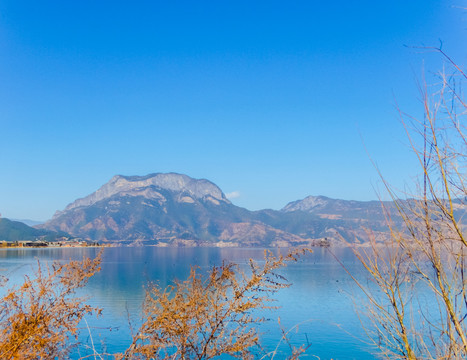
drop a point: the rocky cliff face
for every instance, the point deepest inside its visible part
(308, 204)
(145, 185)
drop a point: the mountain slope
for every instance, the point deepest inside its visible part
(341, 220)
(17, 231)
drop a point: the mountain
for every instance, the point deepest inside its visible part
(18, 231)
(137, 186)
(28, 221)
(165, 209)
(176, 210)
(371, 214)
(343, 220)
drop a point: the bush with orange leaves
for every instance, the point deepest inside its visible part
(204, 318)
(39, 317)
(199, 318)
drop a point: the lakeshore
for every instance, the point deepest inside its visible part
(42, 244)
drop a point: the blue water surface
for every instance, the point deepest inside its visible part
(319, 305)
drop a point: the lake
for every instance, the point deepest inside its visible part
(319, 300)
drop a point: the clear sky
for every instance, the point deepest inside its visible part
(270, 100)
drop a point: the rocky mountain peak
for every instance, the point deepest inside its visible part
(307, 204)
(179, 183)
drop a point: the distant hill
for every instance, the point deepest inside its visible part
(18, 231)
(28, 222)
(176, 210)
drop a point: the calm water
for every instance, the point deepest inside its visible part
(318, 300)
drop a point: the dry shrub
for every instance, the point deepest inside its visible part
(201, 318)
(417, 302)
(38, 318)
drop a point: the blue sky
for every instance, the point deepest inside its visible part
(270, 100)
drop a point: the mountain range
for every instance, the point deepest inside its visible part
(170, 209)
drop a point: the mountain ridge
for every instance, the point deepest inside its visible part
(171, 209)
(170, 181)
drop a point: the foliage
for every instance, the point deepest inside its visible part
(38, 318)
(199, 318)
(204, 318)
